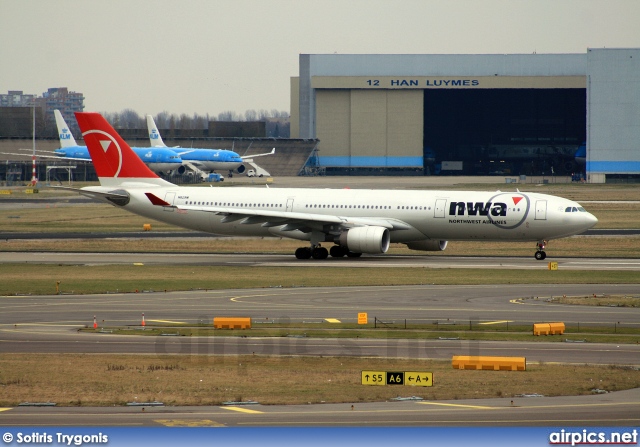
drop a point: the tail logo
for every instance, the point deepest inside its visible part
(105, 144)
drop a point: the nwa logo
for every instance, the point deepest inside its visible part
(65, 135)
(493, 210)
(496, 209)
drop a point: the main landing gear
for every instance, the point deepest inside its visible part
(540, 253)
(318, 252)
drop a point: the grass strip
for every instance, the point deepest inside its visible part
(106, 380)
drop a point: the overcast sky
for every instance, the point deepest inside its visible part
(210, 56)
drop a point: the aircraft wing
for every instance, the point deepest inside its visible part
(183, 152)
(57, 157)
(273, 151)
(304, 222)
(39, 151)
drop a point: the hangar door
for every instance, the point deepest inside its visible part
(505, 131)
(370, 128)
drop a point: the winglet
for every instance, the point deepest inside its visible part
(156, 200)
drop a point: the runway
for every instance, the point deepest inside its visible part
(50, 323)
(614, 409)
(284, 260)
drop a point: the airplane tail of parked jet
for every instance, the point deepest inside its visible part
(66, 137)
(154, 135)
(114, 161)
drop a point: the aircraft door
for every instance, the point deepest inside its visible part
(441, 205)
(541, 210)
(289, 205)
(169, 197)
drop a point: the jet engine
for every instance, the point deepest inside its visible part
(366, 239)
(429, 245)
(240, 169)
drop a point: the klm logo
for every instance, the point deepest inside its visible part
(154, 134)
(65, 135)
(496, 209)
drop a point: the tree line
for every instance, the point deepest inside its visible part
(130, 119)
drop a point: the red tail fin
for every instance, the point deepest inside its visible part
(111, 155)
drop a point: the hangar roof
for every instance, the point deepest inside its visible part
(445, 64)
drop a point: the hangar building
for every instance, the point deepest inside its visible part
(501, 114)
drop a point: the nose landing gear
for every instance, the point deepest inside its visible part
(540, 253)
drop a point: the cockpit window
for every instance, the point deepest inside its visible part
(582, 210)
(573, 209)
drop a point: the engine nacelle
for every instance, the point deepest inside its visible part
(240, 169)
(366, 239)
(430, 245)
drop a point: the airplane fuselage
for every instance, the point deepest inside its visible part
(213, 159)
(428, 215)
(158, 159)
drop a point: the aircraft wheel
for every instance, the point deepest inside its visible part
(303, 253)
(540, 255)
(353, 255)
(319, 253)
(337, 251)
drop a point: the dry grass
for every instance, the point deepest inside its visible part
(178, 380)
(615, 301)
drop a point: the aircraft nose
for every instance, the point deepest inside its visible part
(588, 220)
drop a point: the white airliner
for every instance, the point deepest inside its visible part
(204, 159)
(354, 221)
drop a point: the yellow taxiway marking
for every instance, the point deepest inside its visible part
(5, 409)
(516, 301)
(243, 410)
(477, 407)
(138, 263)
(188, 423)
(497, 322)
(167, 321)
(332, 320)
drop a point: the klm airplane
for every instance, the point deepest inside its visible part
(204, 159)
(157, 158)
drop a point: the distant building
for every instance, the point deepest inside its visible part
(16, 98)
(67, 102)
(54, 98)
